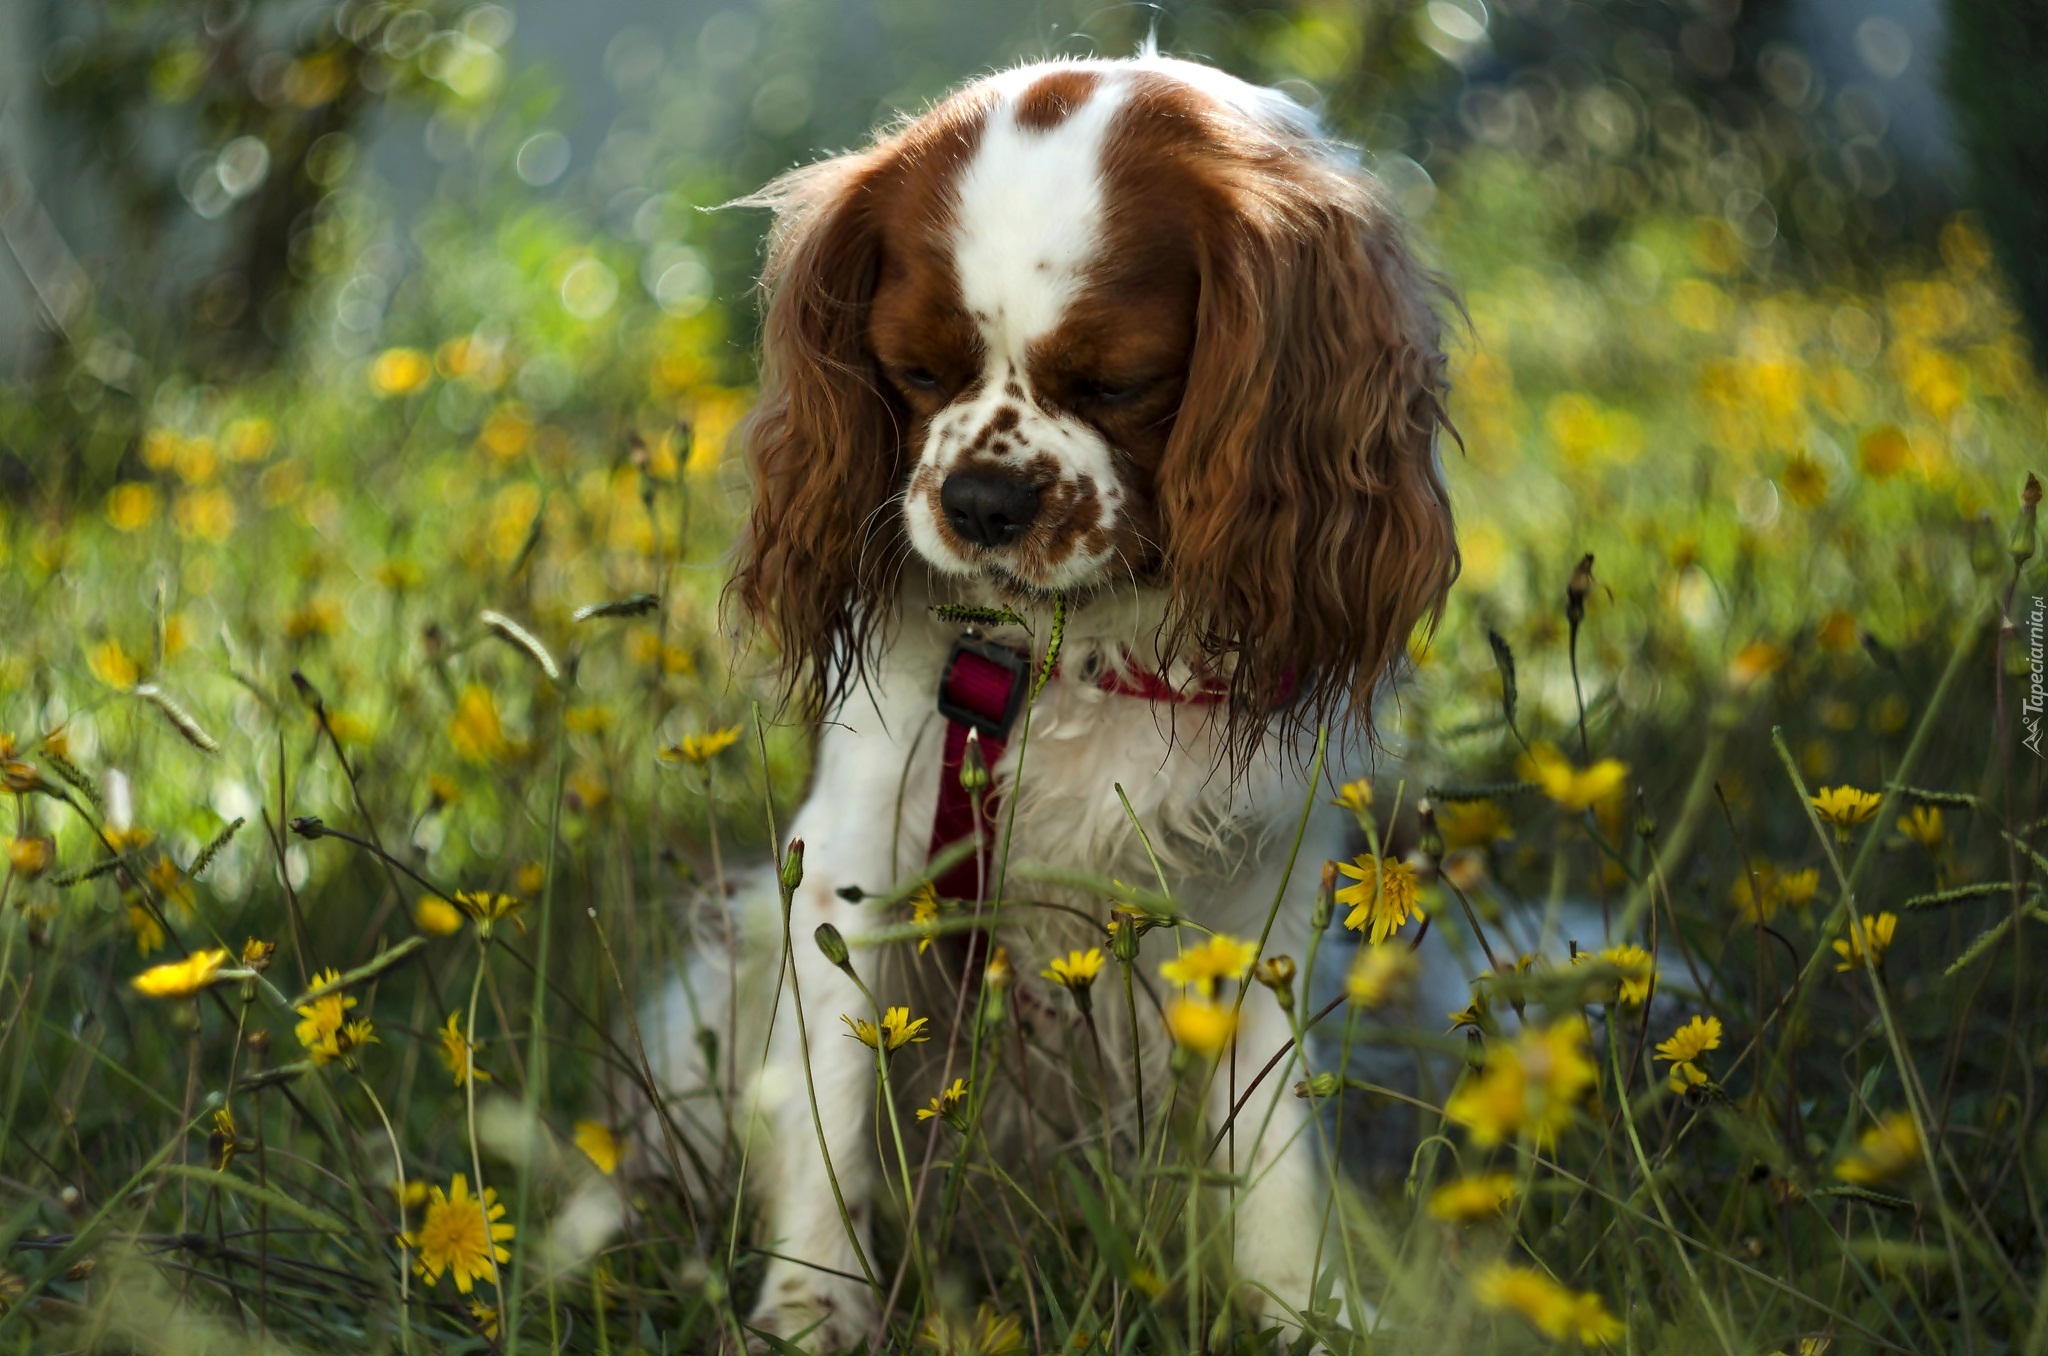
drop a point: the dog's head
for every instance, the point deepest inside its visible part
(1090, 322)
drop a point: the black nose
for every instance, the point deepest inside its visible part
(988, 509)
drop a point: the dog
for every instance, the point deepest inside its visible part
(1131, 349)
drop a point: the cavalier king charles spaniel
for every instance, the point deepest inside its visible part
(1130, 342)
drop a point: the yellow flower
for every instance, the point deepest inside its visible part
(131, 506)
(1075, 970)
(1380, 975)
(322, 1019)
(924, 912)
(702, 748)
(475, 730)
(1797, 888)
(1221, 957)
(319, 617)
(1692, 1040)
(1888, 1149)
(946, 1103)
(532, 878)
(1922, 825)
(436, 915)
(489, 908)
(1553, 1310)
(1845, 807)
(1805, 480)
(1638, 972)
(988, 1335)
(1864, 947)
(458, 1054)
(599, 1145)
(1685, 1074)
(1202, 1026)
(1571, 786)
(460, 1236)
(400, 372)
(1383, 900)
(181, 979)
(170, 882)
(1472, 1198)
(485, 1316)
(30, 857)
(221, 1144)
(257, 954)
(1472, 823)
(1355, 796)
(111, 665)
(1753, 662)
(342, 1044)
(897, 1031)
(149, 934)
(1530, 1085)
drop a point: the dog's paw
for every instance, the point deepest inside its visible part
(820, 1314)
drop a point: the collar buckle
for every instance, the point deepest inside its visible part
(983, 686)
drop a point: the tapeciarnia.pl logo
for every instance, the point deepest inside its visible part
(2037, 663)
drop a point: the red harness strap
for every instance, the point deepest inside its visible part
(981, 692)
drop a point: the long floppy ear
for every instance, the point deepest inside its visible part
(823, 444)
(1305, 522)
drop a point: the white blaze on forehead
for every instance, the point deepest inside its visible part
(1029, 214)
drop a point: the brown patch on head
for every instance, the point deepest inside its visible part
(1052, 99)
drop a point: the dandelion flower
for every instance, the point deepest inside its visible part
(436, 915)
(1686, 1045)
(323, 1017)
(1380, 975)
(1864, 947)
(30, 857)
(599, 1145)
(460, 1235)
(1638, 972)
(1355, 796)
(475, 730)
(1552, 1309)
(1076, 970)
(485, 1316)
(897, 1030)
(989, 1335)
(1573, 787)
(1532, 1084)
(458, 1054)
(1797, 888)
(946, 1105)
(1199, 967)
(1922, 825)
(1692, 1040)
(1888, 1149)
(701, 748)
(1845, 807)
(222, 1143)
(1472, 823)
(1201, 1025)
(1382, 901)
(924, 913)
(149, 934)
(1472, 1198)
(111, 665)
(489, 908)
(181, 979)
(400, 372)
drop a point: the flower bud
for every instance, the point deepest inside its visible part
(1646, 818)
(1277, 974)
(1123, 939)
(308, 694)
(793, 865)
(832, 944)
(1319, 1086)
(1475, 1048)
(1432, 840)
(998, 974)
(973, 766)
(2026, 532)
(1575, 592)
(309, 826)
(1326, 899)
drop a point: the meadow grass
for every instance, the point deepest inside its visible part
(424, 688)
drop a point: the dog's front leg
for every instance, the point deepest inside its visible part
(826, 1093)
(1271, 1147)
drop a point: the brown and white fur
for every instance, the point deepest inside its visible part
(1168, 349)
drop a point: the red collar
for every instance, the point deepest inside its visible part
(982, 691)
